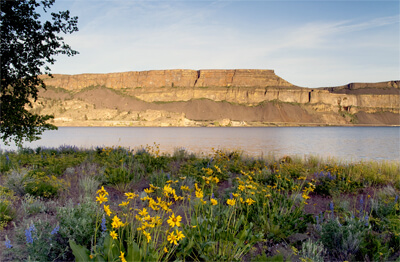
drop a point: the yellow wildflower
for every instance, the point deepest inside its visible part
(165, 250)
(124, 203)
(116, 222)
(122, 257)
(241, 188)
(235, 195)
(185, 188)
(172, 238)
(250, 201)
(131, 195)
(101, 198)
(153, 206)
(231, 202)
(147, 236)
(168, 190)
(214, 201)
(174, 221)
(113, 234)
(218, 169)
(143, 212)
(179, 235)
(158, 221)
(305, 196)
(91, 256)
(148, 190)
(102, 191)
(107, 210)
(145, 198)
(153, 187)
(199, 194)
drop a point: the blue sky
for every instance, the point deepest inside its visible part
(308, 43)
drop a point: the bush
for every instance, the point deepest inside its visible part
(7, 211)
(329, 184)
(77, 223)
(312, 251)
(16, 181)
(40, 242)
(115, 176)
(44, 186)
(32, 205)
(343, 241)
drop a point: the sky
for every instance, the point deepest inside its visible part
(308, 43)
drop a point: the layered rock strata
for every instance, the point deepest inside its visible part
(170, 78)
(179, 97)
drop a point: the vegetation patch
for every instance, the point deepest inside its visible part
(117, 204)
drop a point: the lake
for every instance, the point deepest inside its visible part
(343, 143)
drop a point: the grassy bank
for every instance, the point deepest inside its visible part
(115, 204)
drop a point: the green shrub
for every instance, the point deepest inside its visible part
(343, 241)
(7, 210)
(39, 241)
(294, 170)
(77, 223)
(119, 175)
(89, 185)
(312, 251)
(32, 205)
(16, 180)
(374, 247)
(329, 184)
(44, 185)
(5, 162)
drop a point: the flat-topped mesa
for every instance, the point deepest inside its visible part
(171, 78)
(240, 78)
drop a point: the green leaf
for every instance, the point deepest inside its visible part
(111, 249)
(80, 253)
(99, 258)
(133, 252)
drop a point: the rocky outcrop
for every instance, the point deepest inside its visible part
(187, 97)
(170, 78)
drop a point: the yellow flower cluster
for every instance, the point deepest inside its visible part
(150, 222)
(147, 221)
(102, 193)
(231, 202)
(154, 149)
(173, 239)
(116, 222)
(199, 192)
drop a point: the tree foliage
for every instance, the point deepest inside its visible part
(28, 46)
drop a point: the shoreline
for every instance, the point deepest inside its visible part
(209, 124)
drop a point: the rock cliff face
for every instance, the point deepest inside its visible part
(170, 78)
(179, 97)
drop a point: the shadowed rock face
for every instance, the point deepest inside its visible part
(171, 78)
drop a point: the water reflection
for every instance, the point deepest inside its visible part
(347, 143)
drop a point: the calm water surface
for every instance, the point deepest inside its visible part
(345, 143)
